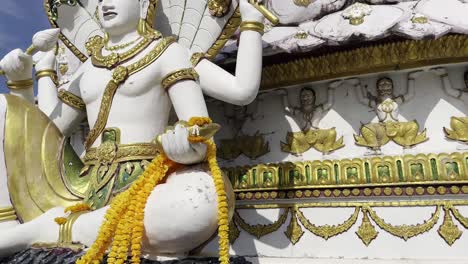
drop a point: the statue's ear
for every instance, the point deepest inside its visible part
(144, 5)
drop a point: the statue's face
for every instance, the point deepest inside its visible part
(384, 87)
(119, 16)
(307, 97)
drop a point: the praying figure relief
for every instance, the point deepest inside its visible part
(309, 114)
(252, 146)
(458, 125)
(386, 106)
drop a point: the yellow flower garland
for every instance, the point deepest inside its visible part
(123, 225)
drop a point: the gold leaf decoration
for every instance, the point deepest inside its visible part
(366, 232)
(448, 230)
(294, 231)
(260, 230)
(406, 231)
(234, 232)
(328, 231)
(463, 220)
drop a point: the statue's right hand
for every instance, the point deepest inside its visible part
(45, 60)
(17, 65)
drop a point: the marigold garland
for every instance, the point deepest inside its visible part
(123, 225)
(199, 121)
(60, 220)
(77, 208)
(223, 209)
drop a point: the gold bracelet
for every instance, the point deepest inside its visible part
(252, 26)
(19, 85)
(172, 78)
(47, 73)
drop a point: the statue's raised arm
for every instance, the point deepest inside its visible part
(242, 88)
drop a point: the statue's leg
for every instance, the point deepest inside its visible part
(20, 237)
(180, 214)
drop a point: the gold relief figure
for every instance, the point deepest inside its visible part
(458, 125)
(386, 106)
(309, 114)
(252, 146)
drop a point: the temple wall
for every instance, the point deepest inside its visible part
(431, 108)
(407, 219)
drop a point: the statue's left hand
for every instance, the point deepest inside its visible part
(177, 147)
(249, 12)
(17, 65)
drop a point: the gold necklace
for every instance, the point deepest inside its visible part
(121, 46)
(95, 45)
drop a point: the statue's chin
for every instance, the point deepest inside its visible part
(181, 214)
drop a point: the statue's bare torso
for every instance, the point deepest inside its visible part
(140, 108)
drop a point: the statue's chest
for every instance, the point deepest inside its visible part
(94, 82)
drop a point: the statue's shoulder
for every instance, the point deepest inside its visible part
(175, 56)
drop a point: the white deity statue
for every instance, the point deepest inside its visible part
(128, 86)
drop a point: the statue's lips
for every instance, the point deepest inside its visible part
(109, 15)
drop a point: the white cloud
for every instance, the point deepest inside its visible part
(11, 8)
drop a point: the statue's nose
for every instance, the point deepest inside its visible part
(107, 5)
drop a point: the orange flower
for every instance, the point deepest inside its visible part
(60, 220)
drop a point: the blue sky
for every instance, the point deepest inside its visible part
(19, 20)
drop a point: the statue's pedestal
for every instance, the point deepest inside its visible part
(67, 256)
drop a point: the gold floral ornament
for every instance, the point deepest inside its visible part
(261, 230)
(304, 3)
(328, 231)
(252, 146)
(405, 134)
(294, 231)
(356, 13)
(458, 129)
(419, 19)
(449, 231)
(366, 231)
(406, 232)
(219, 8)
(323, 140)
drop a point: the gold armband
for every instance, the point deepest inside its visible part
(19, 85)
(47, 73)
(177, 76)
(197, 57)
(71, 100)
(253, 26)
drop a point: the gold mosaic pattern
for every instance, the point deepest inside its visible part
(408, 175)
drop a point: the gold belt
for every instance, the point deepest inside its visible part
(111, 152)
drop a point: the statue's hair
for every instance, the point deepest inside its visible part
(384, 79)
